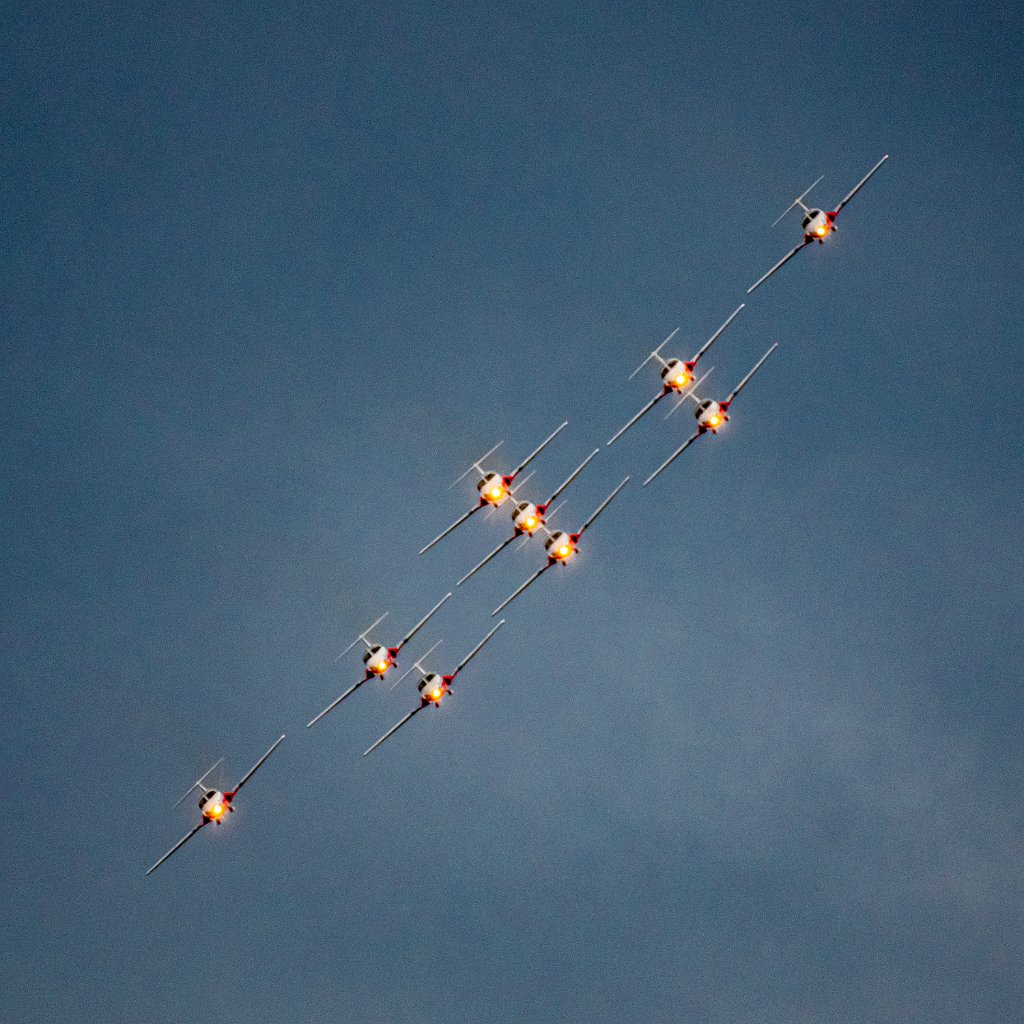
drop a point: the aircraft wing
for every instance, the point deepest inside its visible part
(714, 337)
(778, 266)
(860, 184)
(479, 565)
(334, 703)
(419, 625)
(476, 650)
(643, 412)
(178, 845)
(572, 476)
(604, 504)
(252, 771)
(533, 579)
(536, 451)
(746, 380)
(444, 533)
(391, 732)
(672, 458)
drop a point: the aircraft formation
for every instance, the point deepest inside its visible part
(495, 489)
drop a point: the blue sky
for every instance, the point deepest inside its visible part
(275, 275)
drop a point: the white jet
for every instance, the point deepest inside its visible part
(213, 803)
(528, 518)
(432, 687)
(561, 547)
(494, 489)
(711, 416)
(379, 660)
(817, 224)
(676, 374)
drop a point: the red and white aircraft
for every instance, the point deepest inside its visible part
(561, 547)
(213, 804)
(817, 224)
(711, 416)
(493, 488)
(433, 687)
(676, 374)
(528, 518)
(377, 659)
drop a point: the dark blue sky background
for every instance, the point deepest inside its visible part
(274, 274)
